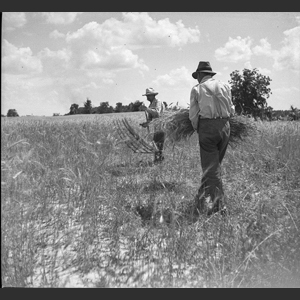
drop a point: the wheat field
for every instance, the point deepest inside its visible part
(70, 189)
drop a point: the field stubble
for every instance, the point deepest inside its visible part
(69, 192)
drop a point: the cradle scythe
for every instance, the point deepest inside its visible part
(132, 139)
(147, 119)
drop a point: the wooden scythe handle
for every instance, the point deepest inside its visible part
(147, 119)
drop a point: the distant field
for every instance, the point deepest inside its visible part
(70, 189)
(138, 115)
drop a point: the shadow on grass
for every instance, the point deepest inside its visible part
(184, 214)
(129, 168)
(155, 186)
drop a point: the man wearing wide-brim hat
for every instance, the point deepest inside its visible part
(210, 109)
(155, 110)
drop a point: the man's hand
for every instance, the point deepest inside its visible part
(145, 124)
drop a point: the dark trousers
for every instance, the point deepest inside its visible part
(159, 139)
(213, 140)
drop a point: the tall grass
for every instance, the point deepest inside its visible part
(69, 193)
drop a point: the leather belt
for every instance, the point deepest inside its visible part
(225, 118)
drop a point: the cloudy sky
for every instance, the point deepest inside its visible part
(51, 59)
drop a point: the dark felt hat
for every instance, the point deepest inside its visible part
(203, 67)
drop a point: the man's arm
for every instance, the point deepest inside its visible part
(155, 109)
(194, 109)
(232, 107)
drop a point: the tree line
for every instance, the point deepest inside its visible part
(250, 91)
(103, 108)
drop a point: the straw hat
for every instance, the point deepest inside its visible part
(150, 91)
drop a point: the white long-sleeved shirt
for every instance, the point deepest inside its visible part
(155, 109)
(210, 99)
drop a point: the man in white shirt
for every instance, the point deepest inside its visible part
(210, 108)
(155, 110)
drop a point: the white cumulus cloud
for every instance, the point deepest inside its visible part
(60, 17)
(19, 60)
(94, 46)
(235, 50)
(264, 48)
(55, 62)
(12, 20)
(56, 34)
(141, 29)
(288, 56)
(248, 65)
(111, 44)
(62, 54)
(177, 78)
(107, 81)
(264, 71)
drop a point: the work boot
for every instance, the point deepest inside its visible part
(158, 157)
(218, 207)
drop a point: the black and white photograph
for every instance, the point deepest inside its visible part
(150, 149)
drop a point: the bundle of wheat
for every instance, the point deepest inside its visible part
(178, 126)
(241, 127)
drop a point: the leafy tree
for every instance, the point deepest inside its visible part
(88, 106)
(73, 109)
(135, 106)
(105, 108)
(127, 108)
(268, 112)
(119, 107)
(12, 113)
(249, 91)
